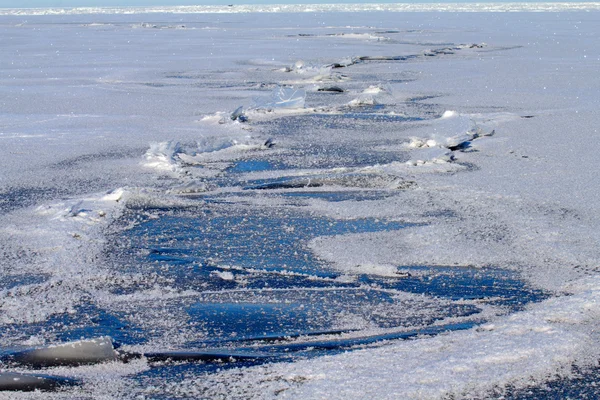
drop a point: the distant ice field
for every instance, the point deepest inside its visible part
(262, 202)
(294, 8)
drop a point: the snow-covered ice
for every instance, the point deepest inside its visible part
(148, 173)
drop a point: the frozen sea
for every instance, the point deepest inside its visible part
(335, 201)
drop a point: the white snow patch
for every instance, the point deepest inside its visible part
(225, 275)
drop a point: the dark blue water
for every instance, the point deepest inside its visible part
(261, 281)
(358, 195)
(10, 281)
(265, 294)
(494, 285)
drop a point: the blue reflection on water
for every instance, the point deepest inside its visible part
(268, 239)
(497, 286)
(266, 249)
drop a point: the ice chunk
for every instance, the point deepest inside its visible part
(238, 115)
(221, 149)
(83, 352)
(225, 275)
(452, 131)
(298, 67)
(346, 62)
(376, 89)
(449, 114)
(163, 155)
(16, 381)
(114, 195)
(363, 100)
(284, 97)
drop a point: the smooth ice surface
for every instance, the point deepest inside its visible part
(133, 205)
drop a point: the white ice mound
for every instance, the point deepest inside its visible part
(283, 97)
(373, 95)
(114, 195)
(450, 131)
(365, 99)
(212, 154)
(387, 270)
(377, 89)
(216, 149)
(163, 156)
(224, 275)
(299, 67)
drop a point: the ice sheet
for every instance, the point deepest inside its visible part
(291, 8)
(110, 119)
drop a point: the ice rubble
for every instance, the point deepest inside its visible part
(211, 153)
(497, 229)
(314, 73)
(282, 98)
(163, 156)
(452, 131)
